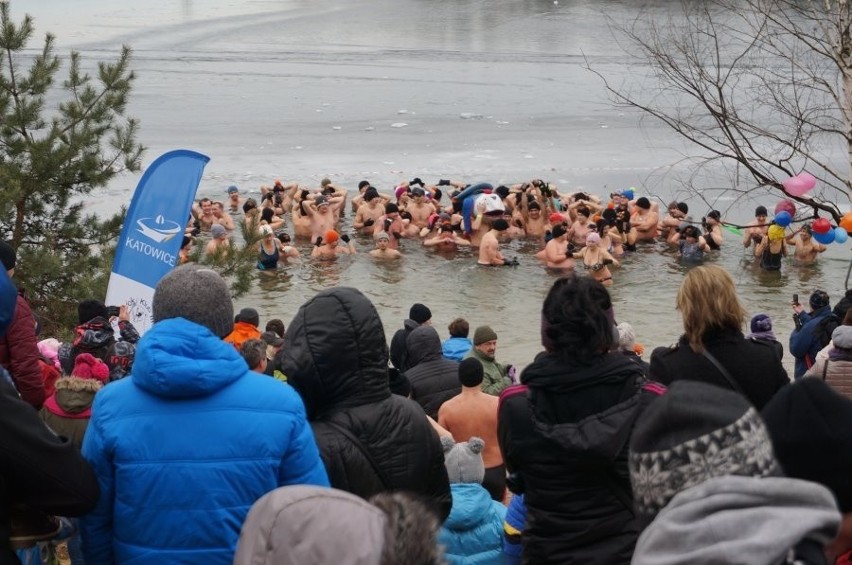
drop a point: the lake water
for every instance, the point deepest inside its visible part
(476, 90)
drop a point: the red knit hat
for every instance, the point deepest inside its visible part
(86, 366)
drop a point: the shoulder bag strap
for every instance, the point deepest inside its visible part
(734, 384)
(825, 368)
(363, 449)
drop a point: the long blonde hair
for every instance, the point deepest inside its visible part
(708, 300)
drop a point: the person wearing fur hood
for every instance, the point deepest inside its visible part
(68, 410)
(473, 532)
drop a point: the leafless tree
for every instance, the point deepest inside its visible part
(761, 87)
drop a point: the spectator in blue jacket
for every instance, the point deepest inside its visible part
(458, 344)
(473, 532)
(805, 341)
(186, 444)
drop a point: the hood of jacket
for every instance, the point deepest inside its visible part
(424, 344)
(177, 358)
(604, 433)
(726, 519)
(75, 395)
(95, 334)
(336, 354)
(306, 524)
(471, 506)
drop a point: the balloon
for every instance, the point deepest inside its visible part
(821, 225)
(825, 238)
(795, 186)
(840, 235)
(846, 222)
(789, 207)
(808, 180)
(783, 218)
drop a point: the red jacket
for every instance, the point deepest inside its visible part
(19, 355)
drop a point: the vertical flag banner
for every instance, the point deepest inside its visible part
(153, 232)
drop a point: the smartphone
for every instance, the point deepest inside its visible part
(112, 311)
(795, 299)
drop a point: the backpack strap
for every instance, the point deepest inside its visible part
(825, 368)
(731, 381)
(363, 449)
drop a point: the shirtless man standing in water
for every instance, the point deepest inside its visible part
(382, 251)
(489, 247)
(369, 212)
(420, 208)
(806, 249)
(323, 216)
(327, 247)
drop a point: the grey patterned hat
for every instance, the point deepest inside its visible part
(693, 433)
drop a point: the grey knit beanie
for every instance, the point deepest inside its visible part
(198, 294)
(464, 460)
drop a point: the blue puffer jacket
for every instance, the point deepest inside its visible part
(473, 533)
(185, 446)
(455, 348)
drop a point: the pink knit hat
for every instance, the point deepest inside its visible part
(86, 366)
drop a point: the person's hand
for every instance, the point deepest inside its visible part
(798, 308)
(123, 315)
(369, 222)
(318, 242)
(345, 238)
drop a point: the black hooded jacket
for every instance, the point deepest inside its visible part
(565, 434)
(433, 378)
(337, 359)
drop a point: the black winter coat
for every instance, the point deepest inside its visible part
(398, 348)
(337, 359)
(38, 469)
(754, 365)
(433, 378)
(566, 438)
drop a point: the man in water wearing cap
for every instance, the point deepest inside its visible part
(806, 249)
(535, 221)
(235, 203)
(420, 208)
(757, 229)
(327, 247)
(496, 375)
(219, 240)
(369, 211)
(382, 250)
(390, 223)
(645, 219)
(804, 341)
(489, 247)
(323, 213)
(556, 254)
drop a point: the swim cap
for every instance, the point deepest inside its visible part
(232, 189)
(391, 208)
(558, 231)
(217, 230)
(330, 236)
(644, 203)
(320, 201)
(383, 235)
(500, 225)
(556, 218)
(400, 190)
(593, 238)
(760, 211)
(682, 206)
(417, 191)
(775, 232)
(265, 230)
(628, 194)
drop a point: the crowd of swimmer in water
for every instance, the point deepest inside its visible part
(576, 229)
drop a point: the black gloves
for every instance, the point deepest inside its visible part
(443, 182)
(369, 222)
(437, 196)
(319, 241)
(415, 181)
(345, 238)
(388, 223)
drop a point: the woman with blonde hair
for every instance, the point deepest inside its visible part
(712, 348)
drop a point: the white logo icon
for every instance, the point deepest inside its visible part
(158, 229)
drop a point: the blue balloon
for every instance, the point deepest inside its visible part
(840, 235)
(824, 238)
(783, 218)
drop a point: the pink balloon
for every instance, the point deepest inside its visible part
(786, 206)
(795, 186)
(808, 179)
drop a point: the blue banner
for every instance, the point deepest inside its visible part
(153, 231)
